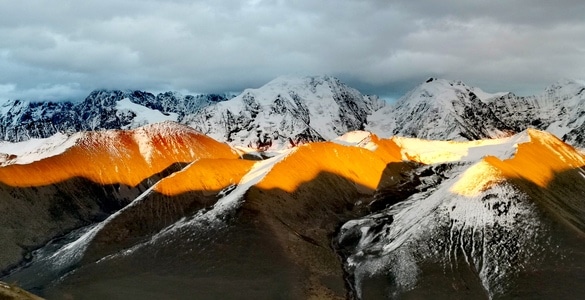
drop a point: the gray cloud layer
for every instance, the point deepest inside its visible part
(58, 49)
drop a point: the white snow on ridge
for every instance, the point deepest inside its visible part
(431, 152)
(144, 115)
(205, 218)
(35, 149)
(558, 129)
(319, 101)
(357, 138)
(352, 138)
(144, 143)
(487, 97)
(254, 176)
(427, 221)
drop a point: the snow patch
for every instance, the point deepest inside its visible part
(35, 149)
(144, 144)
(144, 115)
(433, 152)
(558, 129)
(362, 139)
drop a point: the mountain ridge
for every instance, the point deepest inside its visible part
(353, 217)
(101, 109)
(290, 110)
(450, 110)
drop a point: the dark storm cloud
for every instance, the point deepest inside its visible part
(62, 49)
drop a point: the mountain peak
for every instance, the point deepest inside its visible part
(288, 110)
(436, 91)
(564, 88)
(308, 78)
(440, 108)
(298, 83)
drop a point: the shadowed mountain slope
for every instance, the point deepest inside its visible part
(45, 193)
(358, 217)
(290, 205)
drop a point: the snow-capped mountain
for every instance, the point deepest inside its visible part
(451, 110)
(292, 110)
(560, 109)
(288, 111)
(440, 109)
(485, 220)
(102, 109)
(171, 212)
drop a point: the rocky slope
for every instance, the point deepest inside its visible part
(197, 222)
(292, 110)
(288, 111)
(560, 109)
(11, 292)
(102, 109)
(358, 217)
(477, 226)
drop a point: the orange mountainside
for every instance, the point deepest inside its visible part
(117, 156)
(287, 209)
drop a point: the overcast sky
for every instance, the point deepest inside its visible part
(63, 49)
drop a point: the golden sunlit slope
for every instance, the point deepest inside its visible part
(205, 175)
(543, 167)
(11, 292)
(360, 166)
(118, 156)
(539, 159)
(552, 173)
(524, 200)
(437, 152)
(386, 149)
(196, 186)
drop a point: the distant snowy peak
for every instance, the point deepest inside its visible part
(442, 91)
(140, 115)
(451, 110)
(101, 109)
(565, 88)
(560, 110)
(291, 110)
(440, 109)
(288, 111)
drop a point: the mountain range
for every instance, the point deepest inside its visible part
(292, 110)
(301, 189)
